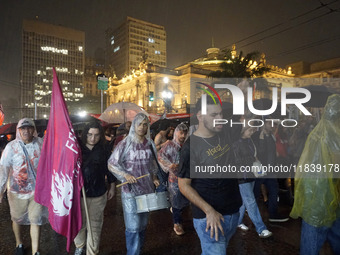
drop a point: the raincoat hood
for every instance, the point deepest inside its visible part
(180, 127)
(25, 122)
(135, 123)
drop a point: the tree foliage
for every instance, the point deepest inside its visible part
(240, 66)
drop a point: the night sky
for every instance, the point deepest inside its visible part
(301, 30)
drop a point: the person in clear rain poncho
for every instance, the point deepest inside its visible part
(133, 158)
(18, 168)
(168, 158)
(317, 183)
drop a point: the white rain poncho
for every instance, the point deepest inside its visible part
(16, 175)
(168, 158)
(135, 158)
(317, 193)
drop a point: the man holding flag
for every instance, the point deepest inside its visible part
(59, 178)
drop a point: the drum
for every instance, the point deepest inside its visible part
(152, 202)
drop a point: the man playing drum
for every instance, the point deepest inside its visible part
(133, 158)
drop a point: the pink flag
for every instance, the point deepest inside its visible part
(59, 179)
(2, 115)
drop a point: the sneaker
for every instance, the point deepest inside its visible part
(278, 219)
(79, 251)
(243, 227)
(178, 229)
(19, 250)
(265, 234)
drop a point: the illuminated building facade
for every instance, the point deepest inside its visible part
(326, 73)
(132, 42)
(45, 46)
(151, 80)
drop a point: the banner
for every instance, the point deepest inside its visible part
(59, 179)
(2, 115)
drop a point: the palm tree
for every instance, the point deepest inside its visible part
(240, 67)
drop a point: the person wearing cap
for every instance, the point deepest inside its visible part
(18, 168)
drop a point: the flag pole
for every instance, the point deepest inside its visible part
(87, 214)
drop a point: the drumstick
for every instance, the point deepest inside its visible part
(140, 177)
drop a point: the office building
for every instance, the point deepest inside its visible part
(45, 46)
(131, 43)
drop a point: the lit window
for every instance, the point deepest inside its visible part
(116, 49)
(62, 69)
(151, 40)
(54, 50)
(80, 48)
(157, 52)
(38, 72)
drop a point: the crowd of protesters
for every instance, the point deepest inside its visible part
(132, 155)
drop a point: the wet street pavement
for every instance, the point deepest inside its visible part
(160, 237)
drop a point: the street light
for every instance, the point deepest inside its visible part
(82, 114)
(167, 95)
(166, 80)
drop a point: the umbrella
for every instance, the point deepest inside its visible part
(319, 95)
(266, 104)
(168, 122)
(79, 122)
(121, 112)
(10, 128)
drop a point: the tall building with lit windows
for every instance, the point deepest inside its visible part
(132, 42)
(45, 46)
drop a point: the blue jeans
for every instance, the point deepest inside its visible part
(209, 245)
(135, 225)
(273, 190)
(313, 238)
(177, 215)
(249, 203)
